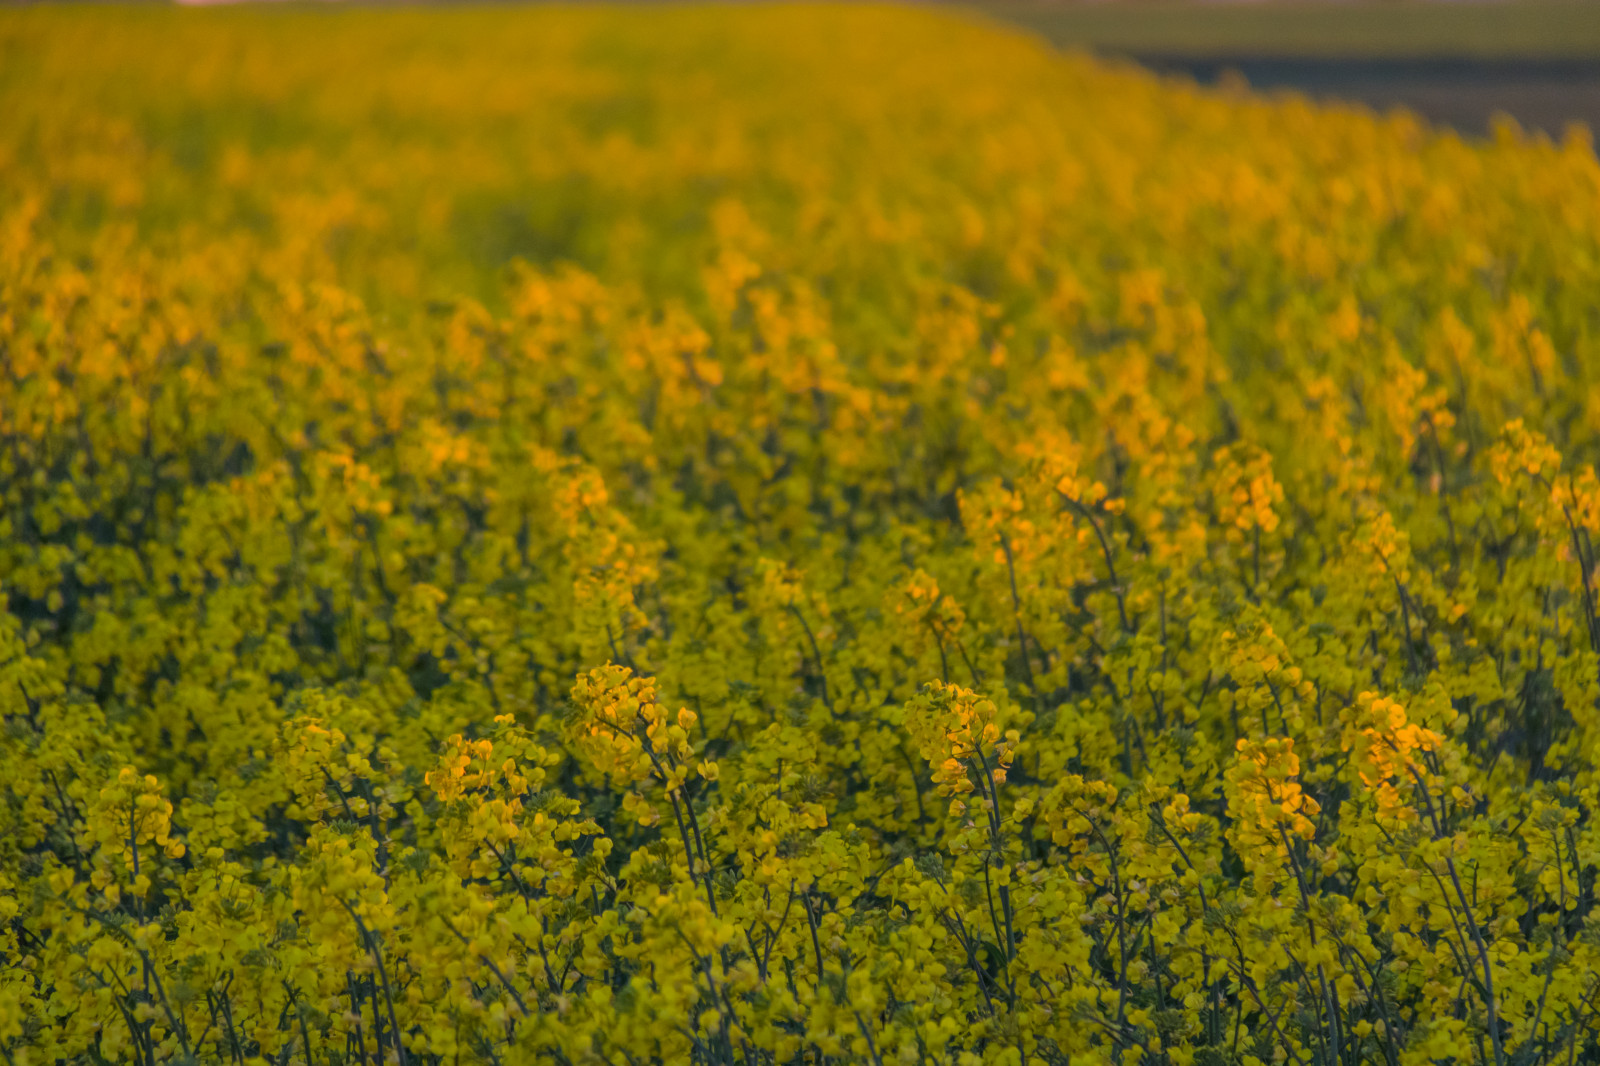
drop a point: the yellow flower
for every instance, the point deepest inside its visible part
(1266, 798)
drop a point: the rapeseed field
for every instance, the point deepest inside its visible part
(781, 534)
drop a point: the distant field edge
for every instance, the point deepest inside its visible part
(1482, 29)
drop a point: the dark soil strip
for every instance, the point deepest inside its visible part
(1463, 93)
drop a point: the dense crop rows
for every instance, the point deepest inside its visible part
(780, 535)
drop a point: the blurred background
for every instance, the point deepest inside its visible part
(1464, 64)
(1458, 63)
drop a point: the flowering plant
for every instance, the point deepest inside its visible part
(947, 554)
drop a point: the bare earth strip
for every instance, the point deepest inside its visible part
(1454, 64)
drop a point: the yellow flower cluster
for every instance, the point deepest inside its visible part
(1385, 748)
(127, 813)
(622, 729)
(1267, 798)
(1246, 491)
(953, 728)
(686, 535)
